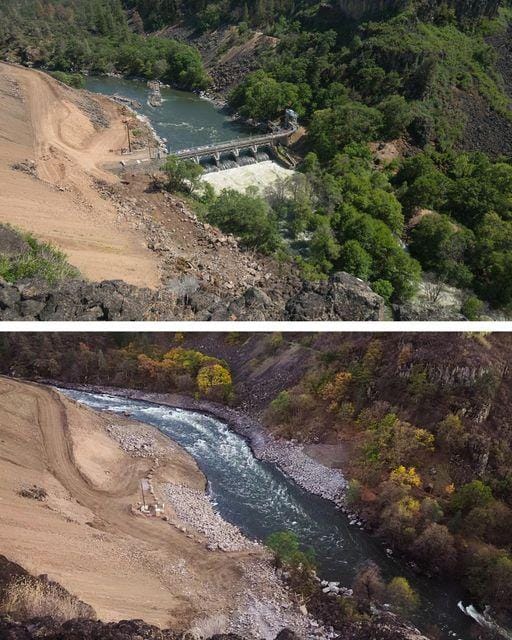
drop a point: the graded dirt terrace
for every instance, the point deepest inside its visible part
(59, 130)
(85, 535)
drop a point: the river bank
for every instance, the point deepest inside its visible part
(288, 456)
(185, 568)
(219, 455)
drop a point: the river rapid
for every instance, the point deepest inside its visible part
(259, 499)
(184, 119)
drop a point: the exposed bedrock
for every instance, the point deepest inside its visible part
(342, 297)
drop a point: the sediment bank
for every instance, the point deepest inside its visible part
(288, 456)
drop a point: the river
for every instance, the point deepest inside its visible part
(184, 119)
(259, 499)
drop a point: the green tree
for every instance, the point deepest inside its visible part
(471, 495)
(402, 596)
(249, 217)
(331, 130)
(261, 97)
(182, 175)
(355, 260)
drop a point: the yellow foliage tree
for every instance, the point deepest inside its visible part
(406, 476)
(336, 388)
(214, 380)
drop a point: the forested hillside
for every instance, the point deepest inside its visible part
(406, 105)
(430, 75)
(92, 36)
(418, 423)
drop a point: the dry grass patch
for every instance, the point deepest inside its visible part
(26, 598)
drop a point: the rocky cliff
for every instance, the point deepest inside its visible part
(342, 297)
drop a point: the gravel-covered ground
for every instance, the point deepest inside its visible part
(195, 509)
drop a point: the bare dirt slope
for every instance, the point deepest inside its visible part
(85, 535)
(46, 123)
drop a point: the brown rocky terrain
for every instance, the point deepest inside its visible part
(227, 55)
(54, 142)
(82, 528)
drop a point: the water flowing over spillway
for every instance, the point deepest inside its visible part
(259, 499)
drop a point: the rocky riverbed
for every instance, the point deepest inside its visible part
(196, 509)
(289, 456)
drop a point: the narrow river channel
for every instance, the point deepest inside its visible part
(259, 499)
(184, 119)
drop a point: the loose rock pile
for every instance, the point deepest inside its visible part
(265, 607)
(306, 472)
(141, 443)
(195, 509)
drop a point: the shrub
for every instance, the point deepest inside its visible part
(353, 494)
(27, 598)
(286, 547)
(405, 476)
(368, 585)
(40, 260)
(471, 495)
(435, 547)
(182, 175)
(383, 288)
(215, 380)
(75, 80)
(247, 216)
(402, 596)
(472, 308)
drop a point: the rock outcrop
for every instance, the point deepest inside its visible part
(342, 297)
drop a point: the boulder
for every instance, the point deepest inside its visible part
(342, 297)
(287, 634)
(12, 243)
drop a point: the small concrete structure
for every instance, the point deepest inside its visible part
(150, 507)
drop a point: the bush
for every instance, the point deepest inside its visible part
(26, 598)
(247, 216)
(39, 260)
(383, 288)
(182, 175)
(286, 547)
(75, 80)
(368, 586)
(471, 495)
(215, 381)
(279, 410)
(402, 596)
(472, 308)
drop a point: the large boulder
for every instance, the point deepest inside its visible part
(12, 243)
(80, 300)
(254, 305)
(342, 297)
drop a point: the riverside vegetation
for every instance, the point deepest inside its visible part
(421, 420)
(426, 81)
(416, 73)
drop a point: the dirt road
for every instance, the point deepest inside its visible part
(86, 535)
(46, 123)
